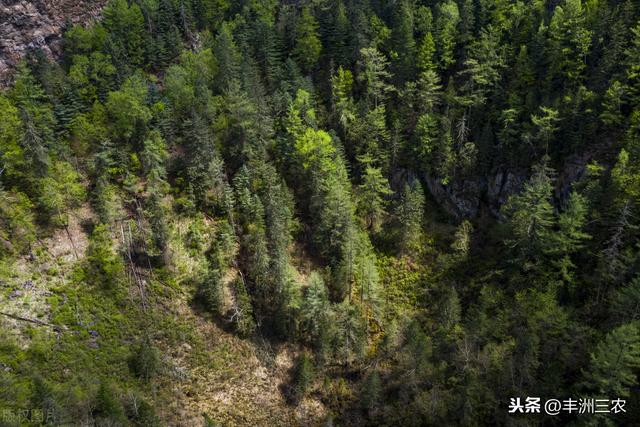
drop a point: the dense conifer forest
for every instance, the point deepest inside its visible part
(323, 212)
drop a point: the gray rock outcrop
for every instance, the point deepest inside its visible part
(27, 25)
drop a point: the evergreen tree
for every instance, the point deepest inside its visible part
(409, 214)
(128, 111)
(303, 376)
(315, 313)
(227, 56)
(426, 52)
(372, 392)
(614, 362)
(241, 310)
(570, 40)
(625, 303)
(403, 40)
(124, 23)
(374, 75)
(448, 17)
(105, 266)
(153, 158)
(108, 408)
(308, 46)
(371, 198)
(37, 120)
(530, 214)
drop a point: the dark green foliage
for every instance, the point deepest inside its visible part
(124, 23)
(308, 47)
(316, 316)
(241, 312)
(371, 395)
(43, 398)
(107, 407)
(143, 414)
(17, 229)
(439, 200)
(409, 214)
(145, 360)
(303, 376)
(211, 291)
(37, 121)
(615, 361)
(625, 304)
(227, 58)
(104, 266)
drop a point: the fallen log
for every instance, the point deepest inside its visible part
(36, 321)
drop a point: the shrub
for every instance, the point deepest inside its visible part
(303, 376)
(104, 264)
(144, 360)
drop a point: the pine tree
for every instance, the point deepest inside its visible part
(403, 40)
(570, 40)
(338, 43)
(308, 46)
(105, 267)
(462, 242)
(211, 288)
(633, 68)
(242, 311)
(545, 126)
(374, 75)
(43, 397)
(570, 236)
(12, 156)
(409, 214)
(614, 362)
(37, 120)
(153, 158)
(426, 52)
(303, 376)
(315, 312)
(125, 41)
(108, 408)
(371, 192)
(483, 66)
(350, 333)
(17, 223)
(167, 35)
(625, 303)
(344, 106)
(145, 360)
(530, 214)
(228, 58)
(372, 392)
(448, 17)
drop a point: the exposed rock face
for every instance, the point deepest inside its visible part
(502, 186)
(26, 25)
(460, 198)
(463, 198)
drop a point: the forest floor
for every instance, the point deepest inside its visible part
(206, 369)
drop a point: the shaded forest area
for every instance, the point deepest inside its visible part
(433, 205)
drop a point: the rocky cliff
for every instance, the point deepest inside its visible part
(26, 25)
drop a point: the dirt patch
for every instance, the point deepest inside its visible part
(25, 293)
(233, 381)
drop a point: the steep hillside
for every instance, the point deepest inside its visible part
(83, 337)
(319, 212)
(38, 25)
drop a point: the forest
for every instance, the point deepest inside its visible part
(397, 213)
